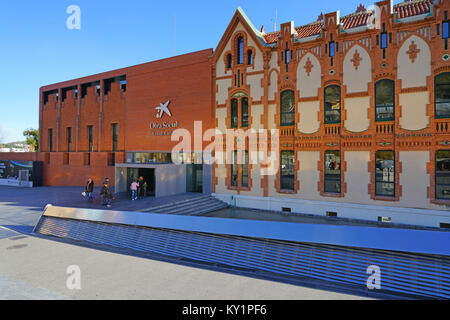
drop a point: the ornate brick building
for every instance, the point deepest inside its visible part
(362, 103)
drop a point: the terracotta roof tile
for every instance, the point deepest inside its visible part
(309, 30)
(271, 37)
(416, 7)
(404, 10)
(356, 20)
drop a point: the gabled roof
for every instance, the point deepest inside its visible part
(253, 32)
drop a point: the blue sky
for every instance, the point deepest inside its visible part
(38, 49)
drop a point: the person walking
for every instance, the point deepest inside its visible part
(141, 187)
(106, 195)
(145, 188)
(134, 189)
(90, 189)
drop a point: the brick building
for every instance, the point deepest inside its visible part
(90, 126)
(361, 102)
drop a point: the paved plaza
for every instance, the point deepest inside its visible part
(36, 268)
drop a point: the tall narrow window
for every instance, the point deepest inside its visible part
(287, 57)
(445, 30)
(229, 61)
(384, 40)
(234, 169)
(234, 113)
(69, 139)
(50, 140)
(384, 100)
(332, 172)
(287, 108)
(287, 170)
(442, 95)
(244, 112)
(244, 169)
(385, 173)
(240, 50)
(91, 138)
(332, 104)
(332, 49)
(114, 136)
(442, 175)
(249, 57)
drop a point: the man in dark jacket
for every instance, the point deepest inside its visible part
(106, 195)
(90, 189)
(141, 187)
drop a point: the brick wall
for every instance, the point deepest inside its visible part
(185, 80)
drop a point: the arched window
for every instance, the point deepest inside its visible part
(229, 61)
(332, 107)
(287, 108)
(385, 100)
(240, 50)
(249, 57)
(442, 95)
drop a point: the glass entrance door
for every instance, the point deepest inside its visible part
(194, 178)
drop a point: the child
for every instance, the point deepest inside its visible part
(134, 188)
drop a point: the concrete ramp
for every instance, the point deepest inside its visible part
(412, 263)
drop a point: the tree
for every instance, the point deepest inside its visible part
(32, 136)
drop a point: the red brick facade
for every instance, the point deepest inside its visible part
(184, 80)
